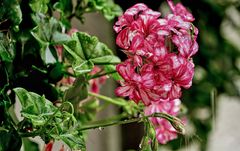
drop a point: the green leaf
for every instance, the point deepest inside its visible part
(60, 38)
(100, 50)
(64, 7)
(47, 32)
(41, 112)
(10, 141)
(35, 107)
(4, 54)
(75, 49)
(88, 110)
(45, 29)
(108, 59)
(10, 10)
(107, 7)
(72, 138)
(85, 51)
(6, 49)
(39, 6)
(30, 145)
(78, 91)
(41, 38)
(112, 68)
(55, 73)
(112, 11)
(149, 141)
(49, 55)
(83, 67)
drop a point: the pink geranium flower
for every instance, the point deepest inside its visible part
(137, 86)
(132, 14)
(186, 43)
(128, 24)
(49, 146)
(173, 72)
(159, 63)
(95, 83)
(180, 10)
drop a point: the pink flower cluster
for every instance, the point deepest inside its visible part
(159, 63)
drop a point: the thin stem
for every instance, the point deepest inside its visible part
(103, 74)
(107, 99)
(40, 131)
(29, 134)
(40, 70)
(69, 74)
(52, 116)
(100, 125)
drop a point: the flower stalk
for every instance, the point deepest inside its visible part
(107, 99)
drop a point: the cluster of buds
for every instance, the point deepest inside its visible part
(159, 63)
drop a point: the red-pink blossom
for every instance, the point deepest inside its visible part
(165, 132)
(180, 10)
(159, 63)
(128, 24)
(95, 83)
(67, 80)
(137, 86)
(132, 14)
(72, 31)
(172, 73)
(49, 146)
(186, 43)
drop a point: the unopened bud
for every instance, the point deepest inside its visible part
(178, 125)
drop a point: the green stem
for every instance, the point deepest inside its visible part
(103, 74)
(29, 134)
(38, 69)
(107, 99)
(40, 131)
(52, 116)
(101, 124)
(69, 74)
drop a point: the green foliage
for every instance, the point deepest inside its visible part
(107, 7)
(78, 91)
(86, 51)
(6, 49)
(36, 55)
(64, 7)
(47, 32)
(10, 12)
(88, 110)
(39, 6)
(35, 108)
(7, 138)
(72, 138)
(149, 141)
(112, 69)
(60, 124)
(29, 145)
